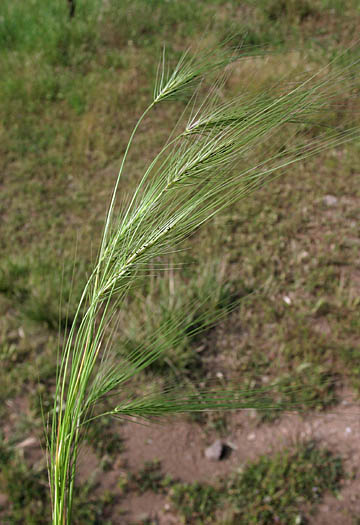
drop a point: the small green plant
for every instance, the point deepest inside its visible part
(196, 502)
(104, 437)
(26, 488)
(151, 477)
(215, 156)
(164, 308)
(276, 489)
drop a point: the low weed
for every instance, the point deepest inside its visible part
(151, 477)
(204, 297)
(279, 488)
(195, 502)
(105, 438)
(32, 283)
(26, 488)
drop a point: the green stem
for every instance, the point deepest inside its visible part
(112, 203)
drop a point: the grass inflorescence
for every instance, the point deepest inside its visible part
(206, 166)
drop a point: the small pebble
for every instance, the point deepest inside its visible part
(330, 200)
(28, 442)
(303, 255)
(144, 516)
(215, 451)
(251, 436)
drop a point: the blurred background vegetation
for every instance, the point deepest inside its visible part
(71, 88)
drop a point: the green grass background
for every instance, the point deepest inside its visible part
(70, 92)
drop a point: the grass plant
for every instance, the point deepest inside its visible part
(217, 154)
